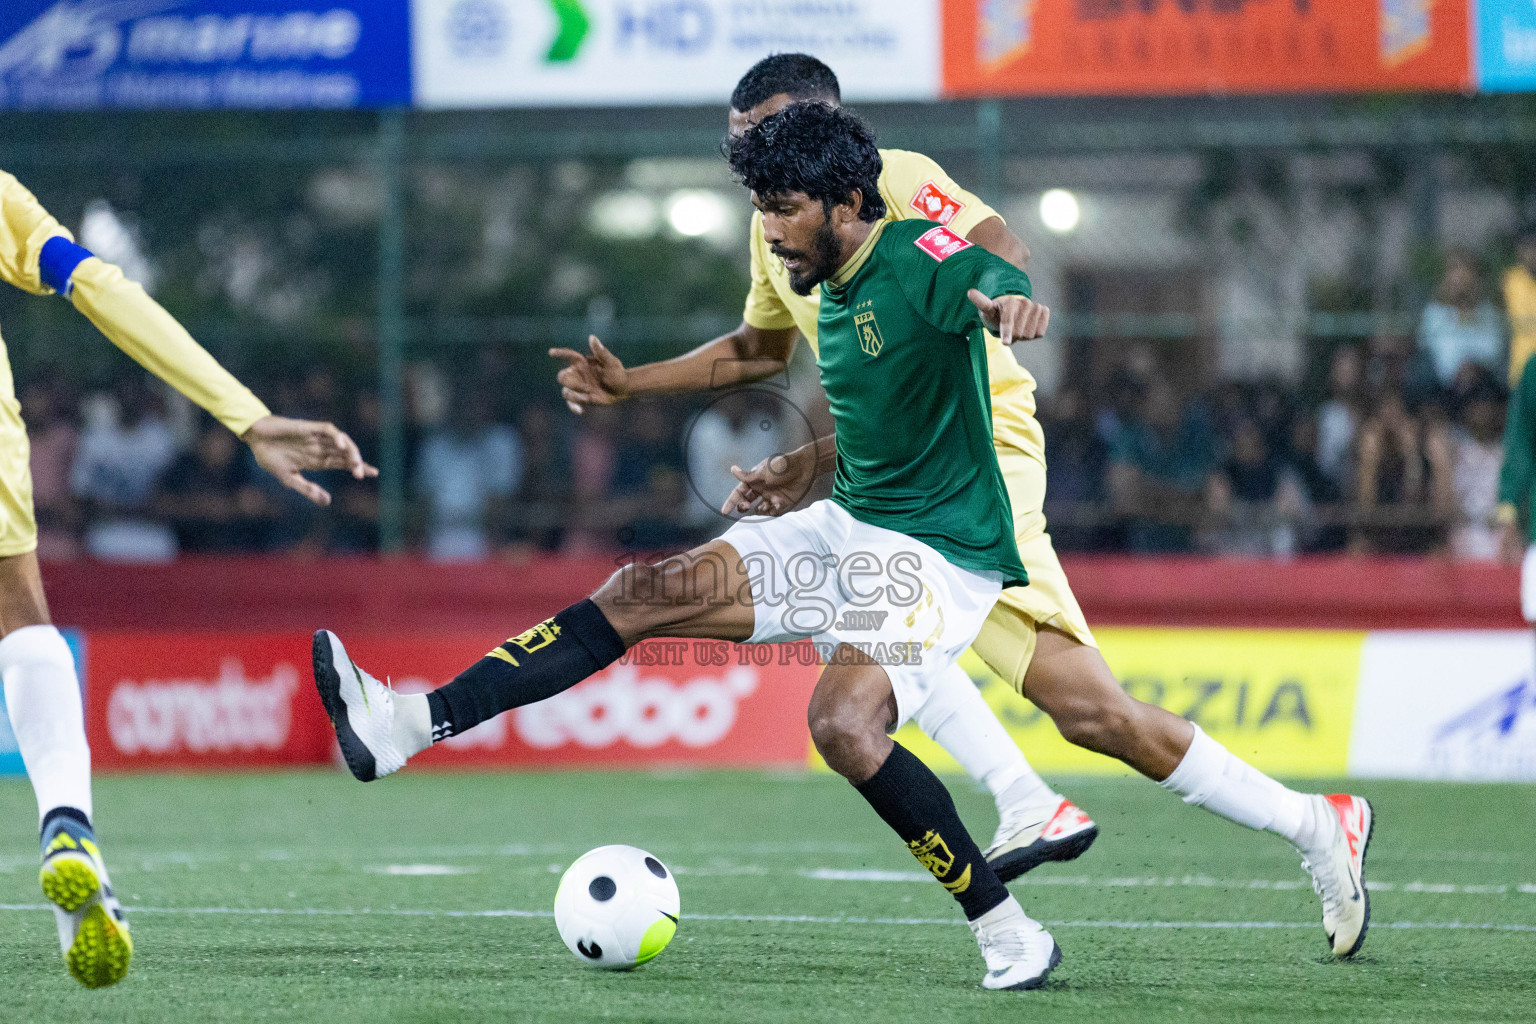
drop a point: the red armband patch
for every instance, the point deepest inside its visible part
(935, 204)
(941, 243)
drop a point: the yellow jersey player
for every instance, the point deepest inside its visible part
(1035, 824)
(1035, 637)
(42, 694)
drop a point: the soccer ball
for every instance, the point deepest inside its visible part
(617, 907)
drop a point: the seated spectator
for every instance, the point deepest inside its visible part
(1520, 301)
(1253, 506)
(648, 441)
(1403, 486)
(210, 499)
(742, 429)
(1477, 453)
(1074, 471)
(47, 408)
(124, 449)
(544, 500)
(1338, 418)
(465, 474)
(1319, 495)
(1159, 462)
(1460, 325)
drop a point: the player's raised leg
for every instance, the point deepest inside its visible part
(1071, 682)
(1035, 823)
(690, 595)
(851, 710)
(42, 697)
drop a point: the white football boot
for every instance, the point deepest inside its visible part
(361, 709)
(1337, 866)
(1019, 953)
(1029, 836)
(93, 934)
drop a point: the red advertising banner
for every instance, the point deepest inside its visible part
(1192, 47)
(240, 700)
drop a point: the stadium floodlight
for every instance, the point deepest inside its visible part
(1059, 210)
(627, 215)
(696, 212)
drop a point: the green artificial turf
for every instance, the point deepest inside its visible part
(770, 931)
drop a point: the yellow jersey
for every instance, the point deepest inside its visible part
(1520, 303)
(120, 309)
(913, 187)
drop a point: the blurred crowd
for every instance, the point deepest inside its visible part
(1395, 450)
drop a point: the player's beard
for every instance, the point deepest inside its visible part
(824, 259)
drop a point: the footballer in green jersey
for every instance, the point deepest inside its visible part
(891, 581)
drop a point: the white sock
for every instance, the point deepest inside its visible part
(957, 718)
(1210, 776)
(42, 695)
(412, 728)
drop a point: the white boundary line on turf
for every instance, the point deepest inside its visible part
(798, 918)
(1180, 881)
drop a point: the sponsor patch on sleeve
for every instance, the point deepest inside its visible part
(935, 204)
(941, 243)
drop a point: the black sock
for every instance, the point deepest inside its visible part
(550, 658)
(915, 803)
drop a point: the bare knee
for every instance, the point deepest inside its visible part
(851, 743)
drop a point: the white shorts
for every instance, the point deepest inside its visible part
(1528, 585)
(821, 574)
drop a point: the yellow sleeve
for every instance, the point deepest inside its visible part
(141, 327)
(24, 227)
(765, 310)
(916, 188)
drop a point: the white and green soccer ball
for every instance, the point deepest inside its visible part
(617, 907)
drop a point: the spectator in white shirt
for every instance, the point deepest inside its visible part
(125, 448)
(466, 472)
(1460, 325)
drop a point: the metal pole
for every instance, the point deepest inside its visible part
(989, 151)
(391, 327)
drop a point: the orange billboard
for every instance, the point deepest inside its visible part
(1203, 47)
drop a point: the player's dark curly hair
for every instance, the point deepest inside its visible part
(823, 151)
(797, 75)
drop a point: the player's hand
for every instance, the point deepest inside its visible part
(773, 486)
(289, 448)
(595, 379)
(1011, 317)
(1511, 550)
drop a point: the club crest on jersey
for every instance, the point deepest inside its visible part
(941, 243)
(935, 204)
(869, 333)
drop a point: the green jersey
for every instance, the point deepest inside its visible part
(904, 364)
(1517, 479)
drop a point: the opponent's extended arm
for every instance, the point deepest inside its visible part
(995, 236)
(600, 378)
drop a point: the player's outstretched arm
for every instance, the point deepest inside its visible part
(141, 327)
(776, 485)
(599, 377)
(289, 448)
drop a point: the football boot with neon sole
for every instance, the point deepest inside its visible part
(93, 933)
(1337, 867)
(361, 709)
(1029, 837)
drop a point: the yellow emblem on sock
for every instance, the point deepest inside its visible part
(933, 853)
(538, 637)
